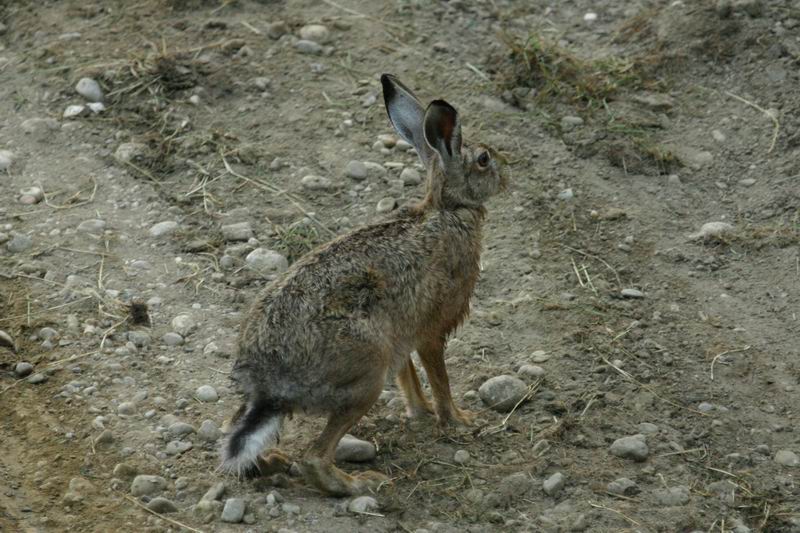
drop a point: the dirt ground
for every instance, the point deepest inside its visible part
(625, 132)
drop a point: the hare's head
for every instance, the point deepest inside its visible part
(459, 174)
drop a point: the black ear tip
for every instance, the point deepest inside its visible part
(387, 81)
(442, 105)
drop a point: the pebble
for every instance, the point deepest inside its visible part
(74, 111)
(388, 140)
(277, 29)
(461, 457)
(354, 450)
(632, 293)
(403, 145)
(19, 243)
(410, 176)
(124, 471)
(172, 339)
(647, 428)
(214, 492)
(566, 195)
(540, 356)
(233, 512)
(38, 126)
(308, 47)
(37, 378)
(31, 195)
(89, 89)
(147, 485)
(162, 229)
(139, 338)
(787, 458)
(502, 393)
(376, 169)
(747, 182)
(264, 260)
(356, 170)
(78, 488)
(570, 122)
(23, 369)
(711, 230)
(206, 511)
(623, 486)
(672, 496)
(363, 504)
(161, 505)
(386, 205)
(209, 432)
(633, 447)
(206, 393)
(184, 324)
(241, 231)
(127, 152)
(531, 371)
(718, 136)
(6, 158)
(315, 32)
(96, 107)
(179, 429)
(126, 408)
(94, 226)
(554, 484)
(177, 447)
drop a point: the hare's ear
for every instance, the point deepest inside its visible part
(443, 132)
(406, 114)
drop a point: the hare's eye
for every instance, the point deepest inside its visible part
(483, 159)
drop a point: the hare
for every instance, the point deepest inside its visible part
(325, 335)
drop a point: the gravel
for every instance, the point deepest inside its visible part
(162, 229)
(267, 261)
(633, 447)
(206, 393)
(147, 485)
(554, 484)
(502, 393)
(233, 512)
(89, 89)
(354, 450)
(363, 504)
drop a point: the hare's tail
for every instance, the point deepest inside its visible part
(257, 428)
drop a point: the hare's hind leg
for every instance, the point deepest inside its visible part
(416, 403)
(318, 468)
(431, 353)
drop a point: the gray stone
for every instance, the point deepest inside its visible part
(461, 457)
(410, 176)
(502, 393)
(89, 89)
(206, 511)
(672, 496)
(554, 484)
(711, 230)
(363, 504)
(315, 32)
(623, 486)
(162, 505)
(531, 371)
(566, 195)
(179, 429)
(75, 111)
(184, 324)
(632, 293)
(177, 447)
(308, 47)
(6, 158)
(162, 229)
(206, 393)
(633, 447)
(787, 458)
(124, 471)
(37, 378)
(354, 450)
(39, 126)
(386, 205)
(277, 29)
(19, 243)
(172, 339)
(215, 492)
(267, 261)
(79, 488)
(290, 508)
(139, 338)
(23, 369)
(570, 122)
(312, 182)
(126, 408)
(647, 428)
(234, 510)
(94, 226)
(241, 231)
(130, 152)
(356, 170)
(209, 432)
(375, 169)
(147, 485)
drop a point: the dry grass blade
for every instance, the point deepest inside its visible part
(726, 352)
(620, 513)
(161, 516)
(772, 117)
(502, 425)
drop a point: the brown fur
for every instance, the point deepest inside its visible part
(324, 337)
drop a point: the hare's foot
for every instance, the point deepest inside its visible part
(416, 403)
(275, 462)
(323, 475)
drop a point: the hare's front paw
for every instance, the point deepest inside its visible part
(457, 416)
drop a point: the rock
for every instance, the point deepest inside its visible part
(747, 182)
(531, 371)
(172, 339)
(672, 496)
(554, 484)
(267, 261)
(315, 32)
(19, 243)
(386, 205)
(96, 107)
(510, 488)
(566, 195)
(129, 152)
(718, 136)
(126, 408)
(214, 492)
(724, 490)
(632, 293)
(147, 485)
(461, 457)
(139, 338)
(623, 486)
(656, 101)
(79, 488)
(177, 447)
(31, 195)
(712, 230)
(410, 176)
(354, 450)
(633, 447)
(74, 111)
(308, 47)
(502, 393)
(161, 505)
(647, 428)
(234, 510)
(94, 226)
(356, 170)
(787, 458)
(540, 356)
(6, 158)
(39, 126)
(363, 504)
(162, 229)
(313, 182)
(570, 122)
(209, 432)
(23, 369)
(184, 324)
(241, 231)
(89, 89)
(179, 429)
(206, 393)
(206, 511)
(277, 29)
(124, 471)
(375, 169)
(37, 378)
